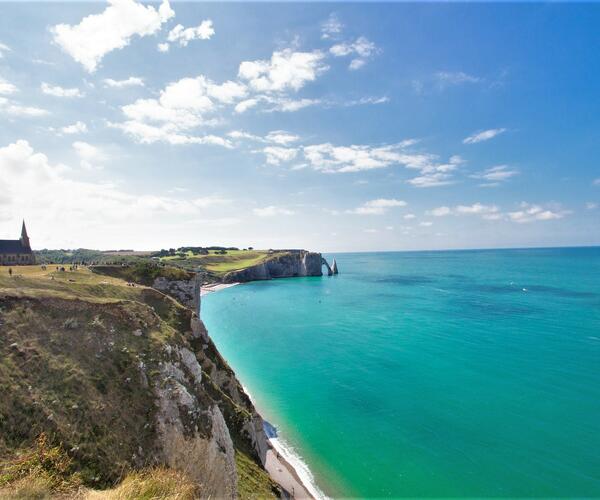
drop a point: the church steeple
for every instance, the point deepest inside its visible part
(24, 237)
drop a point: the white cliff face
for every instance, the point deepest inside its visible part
(193, 436)
(283, 265)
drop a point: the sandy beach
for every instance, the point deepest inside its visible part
(284, 474)
(215, 287)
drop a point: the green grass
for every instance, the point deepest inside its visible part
(219, 264)
(70, 371)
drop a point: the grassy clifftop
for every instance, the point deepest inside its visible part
(103, 372)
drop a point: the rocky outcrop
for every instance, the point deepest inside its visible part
(284, 264)
(127, 384)
(180, 290)
(334, 268)
(193, 435)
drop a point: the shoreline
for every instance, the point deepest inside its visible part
(214, 287)
(283, 465)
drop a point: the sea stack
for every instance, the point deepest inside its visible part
(334, 268)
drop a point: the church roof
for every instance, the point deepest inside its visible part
(13, 246)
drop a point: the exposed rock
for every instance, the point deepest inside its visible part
(334, 267)
(180, 290)
(284, 264)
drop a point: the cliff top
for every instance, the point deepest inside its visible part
(87, 364)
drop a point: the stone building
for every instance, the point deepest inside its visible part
(17, 252)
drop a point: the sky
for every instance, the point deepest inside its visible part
(328, 126)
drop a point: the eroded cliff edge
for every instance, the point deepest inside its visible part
(282, 264)
(123, 378)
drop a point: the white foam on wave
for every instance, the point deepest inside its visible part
(294, 458)
(297, 462)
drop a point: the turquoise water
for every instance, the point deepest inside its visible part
(464, 373)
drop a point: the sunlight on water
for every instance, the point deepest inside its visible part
(431, 373)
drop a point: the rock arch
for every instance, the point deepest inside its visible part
(324, 263)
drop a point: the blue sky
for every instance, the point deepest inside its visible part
(334, 127)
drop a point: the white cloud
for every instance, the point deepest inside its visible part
(98, 34)
(431, 180)
(4, 49)
(426, 224)
(289, 105)
(163, 47)
(182, 106)
(362, 49)
(343, 159)
(409, 216)
(484, 135)
(446, 78)
(379, 206)
(7, 88)
(486, 211)
(243, 106)
(276, 155)
(15, 109)
(286, 70)
(183, 36)
(495, 175)
(531, 212)
(281, 137)
(272, 211)
(132, 81)
(439, 212)
(367, 100)
(75, 128)
(591, 205)
(596, 182)
(57, 91)
(331, 28)
(90, 156)
(53, 198)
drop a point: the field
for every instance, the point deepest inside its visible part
(217, 263)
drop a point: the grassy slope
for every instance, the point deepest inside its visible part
(69, 368)
(219, 264)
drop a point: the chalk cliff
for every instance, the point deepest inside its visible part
(285, 264)
(124, 379)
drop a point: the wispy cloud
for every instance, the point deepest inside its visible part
(132, 81)
(331, 28)
(495, 175)
(276, 155)
(4, 49)
(272, 211)
(491, 212)
(58, 91)
(448, 78)
(379, 206)
(75, 128)
(484, 135)
(7, 88)
(361, 50)
(13, 108)
(183, 36)
(530, 212)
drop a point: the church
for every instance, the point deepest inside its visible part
(17, 252)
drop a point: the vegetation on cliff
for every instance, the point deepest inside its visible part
(107, 388)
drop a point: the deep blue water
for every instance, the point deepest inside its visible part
(460, 373)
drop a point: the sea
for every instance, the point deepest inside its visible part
(439, 373)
